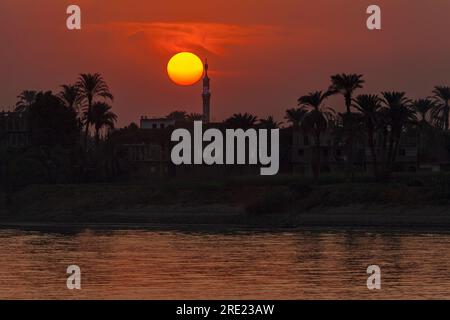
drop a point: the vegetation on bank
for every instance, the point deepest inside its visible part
(71, 165)
(256, 196)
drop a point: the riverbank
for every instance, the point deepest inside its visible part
(215, 217)
(282, 202)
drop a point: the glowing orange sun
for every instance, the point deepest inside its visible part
(185, 68)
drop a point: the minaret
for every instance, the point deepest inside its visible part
(206, 95)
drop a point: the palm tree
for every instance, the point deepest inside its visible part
(242, 121)
(269, 123)
(295, 116)
(101, 117)
(346, 85)
(369, 107)
(70, 96)
(194, 117)
(423, 107)
(397, 113)
(92, 86)
(442, 108)
(177, 115)
(26, 99)
(316, 121)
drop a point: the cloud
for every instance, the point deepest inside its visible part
(212, 38)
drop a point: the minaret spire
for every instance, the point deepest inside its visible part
(206, 95)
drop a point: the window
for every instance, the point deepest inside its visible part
(301, 152)
(155, 126)
(162, 125)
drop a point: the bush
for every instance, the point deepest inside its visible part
(273, 200)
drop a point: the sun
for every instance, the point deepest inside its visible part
(185, 68)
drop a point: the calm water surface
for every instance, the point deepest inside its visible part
(142, 264)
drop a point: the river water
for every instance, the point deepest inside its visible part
(146, 264)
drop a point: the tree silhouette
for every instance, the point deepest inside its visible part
(295, 116)
(369, 107)
(70, 96)
(396, 114)
(243, 121)
(316, 121)
(269, 123)
(346, 85)
(26, 99)
(52, 123)
(442, 109)
(423, 108)
(102, 117)
(177, 115)
(91, 86)
(194, 117)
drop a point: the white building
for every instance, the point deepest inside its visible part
(156, 123)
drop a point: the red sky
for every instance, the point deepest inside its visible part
(263, 54)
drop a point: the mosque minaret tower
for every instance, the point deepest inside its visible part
(206, 95)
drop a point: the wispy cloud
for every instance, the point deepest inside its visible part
(211, 37)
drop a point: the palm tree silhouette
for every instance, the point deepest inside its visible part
(295, 116)
(177, 115)
(397, 114)
(316, 121)
(194, 117)
(92, 86)
(423, 108)
(26, 100)
(70, 96)
(346, 85)
(242, 121)
(269, 123)
(442, 109)
(101, 117)
(369, 107)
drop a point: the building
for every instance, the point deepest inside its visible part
(156, 123)
(206, 96)
(143, 153)
(14, 129)
(333, 157)
(145, 159)
(407, 158)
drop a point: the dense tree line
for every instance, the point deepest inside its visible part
(65, 134)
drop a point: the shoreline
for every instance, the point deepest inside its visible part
(217, 218)
(283, 202)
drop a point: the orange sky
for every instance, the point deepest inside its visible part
(263, 54)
